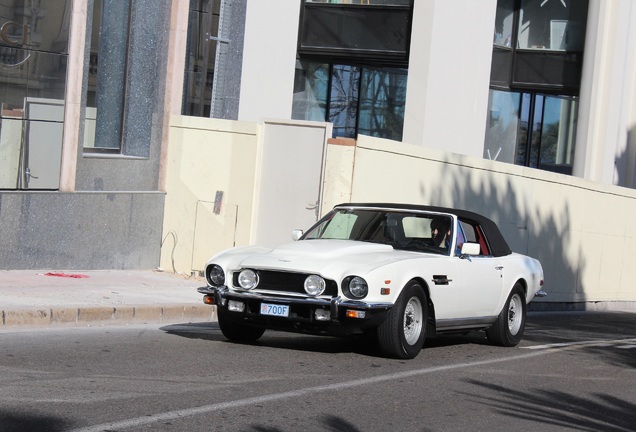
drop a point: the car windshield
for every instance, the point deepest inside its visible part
(414, 231)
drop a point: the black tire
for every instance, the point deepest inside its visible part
(403, 332)
(237, 331)
(508, 329)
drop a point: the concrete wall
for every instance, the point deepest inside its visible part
(80, 231)
(581, 231)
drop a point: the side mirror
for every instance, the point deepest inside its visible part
(297, 234)
(471, 249)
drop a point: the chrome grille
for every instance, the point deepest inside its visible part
(285, 282)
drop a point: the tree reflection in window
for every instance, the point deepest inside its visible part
(343, 100)
(356, 99)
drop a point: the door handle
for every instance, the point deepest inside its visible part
(28, 176)
(441, 280)
(314, 207)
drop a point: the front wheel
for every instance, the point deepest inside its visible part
(237, 331)
(403, 332)
(508, 329)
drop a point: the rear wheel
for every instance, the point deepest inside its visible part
(511, 322)
(403, 332)
(237, 331)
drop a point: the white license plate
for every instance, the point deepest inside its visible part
(274, 310)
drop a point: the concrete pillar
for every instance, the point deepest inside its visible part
(179, 14)
(449, 75)
(73, 105)
(603, 151)
(269, 59)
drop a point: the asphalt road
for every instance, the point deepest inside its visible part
(572, 371)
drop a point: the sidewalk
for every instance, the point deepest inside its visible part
(42, 298)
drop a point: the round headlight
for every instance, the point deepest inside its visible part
(358, 287)
(216, 275)
(247, 279)
(314, 285)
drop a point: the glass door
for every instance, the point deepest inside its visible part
(33, 59)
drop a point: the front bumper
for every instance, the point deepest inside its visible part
(302, 313)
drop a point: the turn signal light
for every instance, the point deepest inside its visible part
(355, 313)
(385, 291)
(208, 299)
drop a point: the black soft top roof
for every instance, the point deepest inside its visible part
(496, 241)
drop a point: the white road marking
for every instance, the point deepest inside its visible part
(596, 343)
(172, 415)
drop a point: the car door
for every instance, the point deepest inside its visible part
(466, 287)
(475, 286)
(480, 280)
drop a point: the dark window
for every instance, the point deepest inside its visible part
(364, 2)
(214, 59)
(532, 129)
(356, 99)
(377, 30)
(203, 41)
(343, 100)
(311, 87)
(382, 101)
(555, 25)
(535, 81)
(539, 44)
(504, 20)
(353, 64)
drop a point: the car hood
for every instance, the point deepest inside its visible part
(327, 256)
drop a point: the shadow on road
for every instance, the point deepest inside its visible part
(331, 423)
(11, 422)
(361, 344)
(601, 412)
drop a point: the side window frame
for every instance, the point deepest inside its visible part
(478, 235)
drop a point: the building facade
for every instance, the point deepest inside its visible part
(87, 88)
(544, 84)
(83, 99)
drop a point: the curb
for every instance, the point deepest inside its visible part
(105, 315)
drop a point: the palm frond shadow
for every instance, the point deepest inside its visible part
(558, 408)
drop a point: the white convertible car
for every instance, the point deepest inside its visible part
(403, 272)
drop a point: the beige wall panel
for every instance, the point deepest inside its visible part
(206, 156)
(581, 231)
(212, 230)
(611, 266)
(338, 175)
(626, 285)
